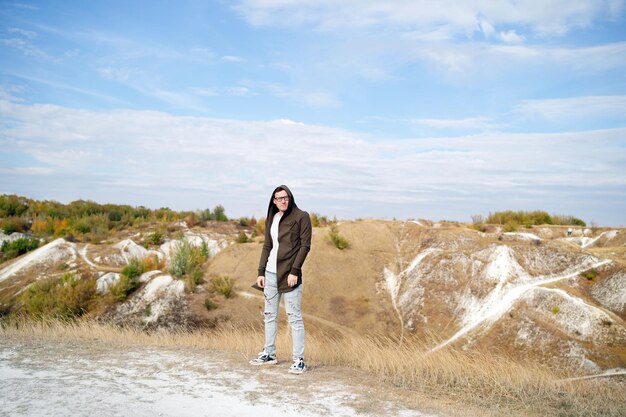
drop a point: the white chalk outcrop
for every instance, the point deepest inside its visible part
(106, 281)
(160, 303)
(475, 291)
(195, 239)
(611, 292)
(58, 250)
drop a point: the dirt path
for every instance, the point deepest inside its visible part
(44, 378)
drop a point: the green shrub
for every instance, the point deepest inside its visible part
(318, 221)
(339, 241)
(222, 285)
(12, 205)
(186, 262)
(62, 298)
(478, 223)
(536, 217)
(185, 259)
(123, 288)
(204, 251)
(14, 225)
(555, 309)
(134, 269)
(591, 274)
(18, 247)
(196, 277)
(510, 227)
(155, 238)
(532, 218)
(567, 220)
(220, 214)
(128, 281)
(243, 237)
(209, 304)
(115, 216)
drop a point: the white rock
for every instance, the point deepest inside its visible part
(105, 281)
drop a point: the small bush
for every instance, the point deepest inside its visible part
(259, 227)
(210, 304)
(318, 221)
(152, 262)
(82, 227)
(196, 277)
(155, 238)
(123, 288)
(532, 218)
(567, 220)
(128, 280)
(18, 247)
(555, 309)
(14, 225)
(62, 298)
(222, 285)
(185, 259)
(204, 251)
(115, 216)
(219, 214)
(12, 205)
(243, 237)
(590, 274)
(134, 269)
(510, 227)
(339, 241)
(478, 223)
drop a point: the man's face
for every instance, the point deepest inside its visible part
(281, 199)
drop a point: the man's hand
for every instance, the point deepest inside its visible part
(260, 281)
(292, 280)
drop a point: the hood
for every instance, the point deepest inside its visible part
(272, 209)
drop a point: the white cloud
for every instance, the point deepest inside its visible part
(205, 92)
(231, 58)
(550, 17)
(28, 48)
(26, 33)
(574, 108)
(476, 58)
(473, 123)
(117, 74)
(511, 37)
(22, 6)
(183, 161)
(310, 98)
(239, 91)
(65, 87)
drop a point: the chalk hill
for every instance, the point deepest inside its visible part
(546, 293)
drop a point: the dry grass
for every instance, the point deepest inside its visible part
(484, 380)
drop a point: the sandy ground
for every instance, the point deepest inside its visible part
(43, 378)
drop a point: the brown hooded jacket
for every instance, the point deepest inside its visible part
(294, 242)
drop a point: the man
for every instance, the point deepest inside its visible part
(287, 243)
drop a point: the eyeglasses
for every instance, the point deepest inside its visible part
(281, 199)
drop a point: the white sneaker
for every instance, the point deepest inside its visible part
(264, 359)
(298, 366)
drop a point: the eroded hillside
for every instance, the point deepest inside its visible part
(546, 293)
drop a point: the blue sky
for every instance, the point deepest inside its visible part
(406, 109)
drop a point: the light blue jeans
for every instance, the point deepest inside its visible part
(293, 300)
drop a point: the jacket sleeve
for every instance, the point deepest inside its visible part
(305, 244)
(265, 252)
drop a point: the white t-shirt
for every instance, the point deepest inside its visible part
(271, 260)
